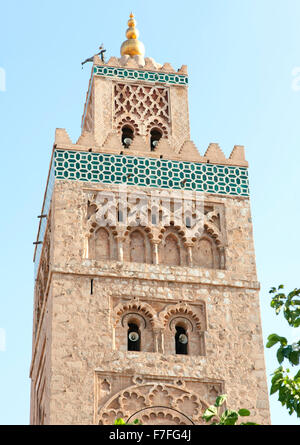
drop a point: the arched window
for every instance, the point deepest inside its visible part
(133, 338)
(137, 247)
(155, 136)
(120, 216)
(102, 247)
(188, 222)
(181, 340)
(171, 251)
(205, 253)
(127, 135)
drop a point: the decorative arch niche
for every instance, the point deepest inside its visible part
(137, 247)
(155, 403)
(134, 313)
(181, 318)
(206, 253)
(101, 245)
(172, 251)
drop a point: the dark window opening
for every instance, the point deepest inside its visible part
(134, 338)
(181, 341)
(155, 136)
(120, 216)
(127, 136)
(188, 223)
(154, 218)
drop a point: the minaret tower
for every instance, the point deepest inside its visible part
(146, 296)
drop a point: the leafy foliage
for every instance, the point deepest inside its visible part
(288, 387)
(228, 417)
(121, 421)
(289, 303)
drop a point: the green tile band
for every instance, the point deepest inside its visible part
(151, 172)
(148, 76)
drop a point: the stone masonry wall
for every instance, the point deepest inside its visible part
(83, 332)
(81, 321)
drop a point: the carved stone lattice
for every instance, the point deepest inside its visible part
(154, 403)
(143, 102)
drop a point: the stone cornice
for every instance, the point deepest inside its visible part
(159, 273)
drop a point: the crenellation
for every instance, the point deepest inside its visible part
(62, 137)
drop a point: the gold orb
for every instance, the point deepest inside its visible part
(132, 47)
(132, 33)
(131, 23)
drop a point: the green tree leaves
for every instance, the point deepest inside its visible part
(287, 387)
(289, 303)
(228, 417)
(243, 412)
(274, 338)
(210, 413)
(220, 400)
(121, 421)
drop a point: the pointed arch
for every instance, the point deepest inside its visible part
(172, 250)
(180, 309)
(134, 316)
(135, 305)
(137, 247)
(206, 253)
(181, 318)
(102, 244)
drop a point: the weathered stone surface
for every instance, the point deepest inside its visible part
(95, 282)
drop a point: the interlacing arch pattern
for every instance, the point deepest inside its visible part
(166, 228)
(154, 403)
(213, 231)
(152, 230)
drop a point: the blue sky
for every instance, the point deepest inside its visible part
(240, 55)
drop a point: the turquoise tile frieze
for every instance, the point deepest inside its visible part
(139, 171)
(151, 172)
(148, 76)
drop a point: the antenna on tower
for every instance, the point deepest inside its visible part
(101, 54)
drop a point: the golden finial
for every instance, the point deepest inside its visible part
(132, 46)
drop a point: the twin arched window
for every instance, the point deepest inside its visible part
(134, 339)
(167, 329)
(128, 136)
